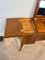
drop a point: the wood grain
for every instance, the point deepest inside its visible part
(15, 27)
(40, 25)
(27, 26)
(36, 11)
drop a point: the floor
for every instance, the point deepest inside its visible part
(9, 50)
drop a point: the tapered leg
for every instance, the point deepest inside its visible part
(24, 40)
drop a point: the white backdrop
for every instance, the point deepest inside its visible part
(15, 8)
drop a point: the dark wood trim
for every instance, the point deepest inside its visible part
(37, 7)
(36, 11)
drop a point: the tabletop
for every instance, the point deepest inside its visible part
(18, 27)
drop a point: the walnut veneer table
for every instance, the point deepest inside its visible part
(26, 29)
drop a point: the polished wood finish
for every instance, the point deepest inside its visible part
(18, 27)
(40, 28)
(29, 30)
(36, 10)
(39, 25)
(39, 22)
(26, 26)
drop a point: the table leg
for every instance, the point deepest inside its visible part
(26, 40)
(23, 41)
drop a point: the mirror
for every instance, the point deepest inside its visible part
(41, 10)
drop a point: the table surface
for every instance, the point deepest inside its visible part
(23, 26)
(40, 25)
(18, 27)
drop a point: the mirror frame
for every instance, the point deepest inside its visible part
(36, 11)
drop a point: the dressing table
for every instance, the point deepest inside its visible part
(28, 29)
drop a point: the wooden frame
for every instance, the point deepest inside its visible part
(36, 11)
